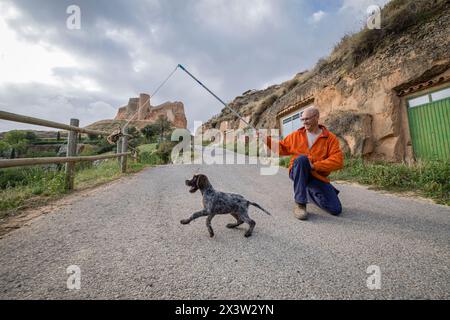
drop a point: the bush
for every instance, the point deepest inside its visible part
(165, 150)
(5, 149)
(284, 162)
(89, 150)
(12, 177)
(103, 146)
(292, 84)
(156, 154)
(47, 181)
(264, 105)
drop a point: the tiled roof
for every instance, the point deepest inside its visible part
(296, 106)
(424, 85)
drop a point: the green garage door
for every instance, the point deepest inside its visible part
(429, 124)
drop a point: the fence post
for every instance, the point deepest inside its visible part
(71, 151)
(119, 148)
(123, 159)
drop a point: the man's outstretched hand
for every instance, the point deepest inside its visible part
(261, 134)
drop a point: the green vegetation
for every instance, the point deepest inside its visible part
(396, 17)
(150, 133)
(156, 153)
(247, 145)
(22, 187)
(430, 179)
(15, 143)
(284, 162)
(158, 131)
(427, 178)
(92, 176)
(292, 84)
(25, 187)
(263, 106)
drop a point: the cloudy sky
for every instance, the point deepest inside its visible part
(122, 48)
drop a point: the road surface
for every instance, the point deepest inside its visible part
(128, 243)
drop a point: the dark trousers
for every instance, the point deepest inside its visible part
(306, 187)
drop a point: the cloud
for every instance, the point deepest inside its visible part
(15, 63)
(125, 48)
(317, 16)
(50, 103)
(356, 12)
(228, 16)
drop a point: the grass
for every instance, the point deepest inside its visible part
(284, 162)
(396, 17)
(28, 187)
(148, 147)
(249, 149)
(263, 106)
(148, 154)
(430, 179)
(108, 170)
(34, 186)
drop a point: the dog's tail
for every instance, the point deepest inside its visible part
(258, 206)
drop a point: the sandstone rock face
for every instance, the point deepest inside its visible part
(363, 104)
(143, 113)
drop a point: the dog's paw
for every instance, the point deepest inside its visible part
(231, 226)
(184, 221)
(247, 235)
(211, 234)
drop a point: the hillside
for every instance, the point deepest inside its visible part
(359, 87)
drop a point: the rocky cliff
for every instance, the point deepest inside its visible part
(141, 113)
(359, 87)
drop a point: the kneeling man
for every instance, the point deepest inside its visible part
(315, 153)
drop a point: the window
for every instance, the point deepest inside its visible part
(292, 123)
(429, 97)
(441, 94)
(287, 126)
(418, 101)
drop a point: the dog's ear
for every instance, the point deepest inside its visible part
(202, 181)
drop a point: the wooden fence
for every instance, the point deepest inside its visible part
(71, 156)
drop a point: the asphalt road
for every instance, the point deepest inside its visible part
(128, 243)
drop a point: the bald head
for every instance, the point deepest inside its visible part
(311, 112)
(310, 119)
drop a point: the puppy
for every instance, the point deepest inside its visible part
(215, 202)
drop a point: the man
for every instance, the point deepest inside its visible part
(315, 153)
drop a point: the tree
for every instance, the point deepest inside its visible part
(14, 136)
(17, 139)
(4, 147)
(135, 137)
(31, 136)
(133, 132)
(164, 126)
(92, 137)
(58, 136)
(150, 131)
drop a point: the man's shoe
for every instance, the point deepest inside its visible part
(300, 211)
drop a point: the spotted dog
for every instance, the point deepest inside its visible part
(215, 202)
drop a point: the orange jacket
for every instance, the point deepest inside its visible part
(325, 154)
